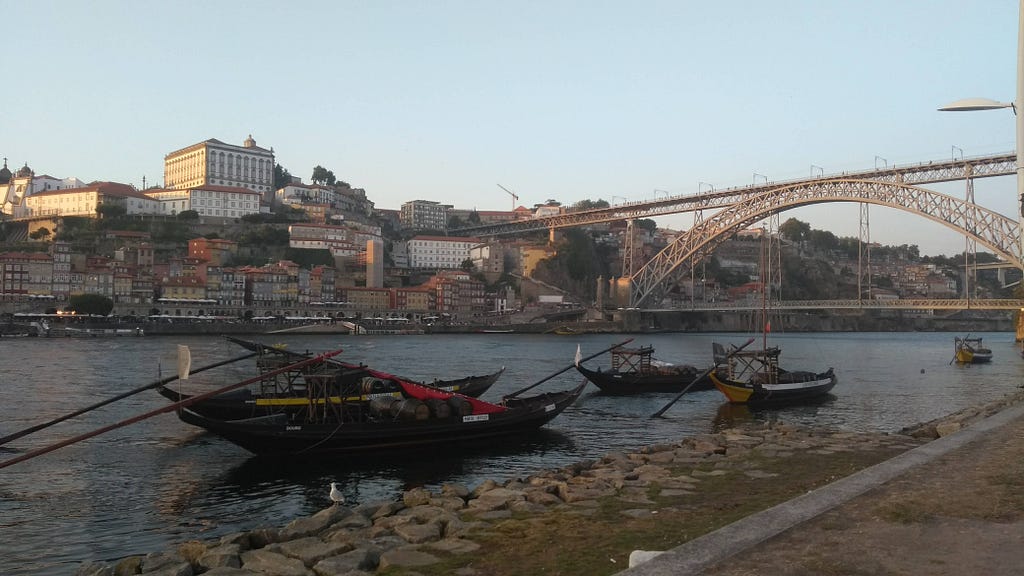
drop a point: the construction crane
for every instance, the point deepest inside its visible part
(515, 198)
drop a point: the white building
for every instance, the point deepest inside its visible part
(299, 193)
(85, 200)
(439, 251)
(214, 163)
(208, 200)
(348, 239)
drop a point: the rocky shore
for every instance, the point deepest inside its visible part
(453, 530)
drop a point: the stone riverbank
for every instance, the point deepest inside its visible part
(447, 531)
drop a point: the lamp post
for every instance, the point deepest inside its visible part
(971, 104)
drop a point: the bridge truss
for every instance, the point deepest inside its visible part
(997, 232)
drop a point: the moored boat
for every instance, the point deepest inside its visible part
(971, 351)
(635, 371)
(754, 378)
(343, 382)
(401, 415)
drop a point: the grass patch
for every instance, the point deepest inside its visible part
(569, 543)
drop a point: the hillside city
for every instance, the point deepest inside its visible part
(233, 234)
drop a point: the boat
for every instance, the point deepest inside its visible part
(292, 394)
(636, 371)
(754, 377)
(401, 414)
(971, 351)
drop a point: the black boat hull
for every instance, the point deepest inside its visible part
(279, 435)
(628, 383)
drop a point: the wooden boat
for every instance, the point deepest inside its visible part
(292, 395)
(971, 351)
(754, 378)
(401, 415)
(635, 371)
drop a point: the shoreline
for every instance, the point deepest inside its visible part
(467, 531)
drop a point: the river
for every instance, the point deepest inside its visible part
(149, 485)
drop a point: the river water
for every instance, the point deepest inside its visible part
(150, 485)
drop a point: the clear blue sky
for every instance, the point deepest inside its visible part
(551, 99)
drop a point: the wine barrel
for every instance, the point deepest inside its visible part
(438, 408)
(460, 406)
(383, 406)
(410, 409)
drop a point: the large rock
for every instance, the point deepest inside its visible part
(358, 559)
(227, 555)
(419, 533)
(309, 550)
(269, 562)
(406, 558)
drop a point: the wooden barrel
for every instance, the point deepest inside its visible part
(383, 406)
(410, 409)
(460, 406)
(438, 408)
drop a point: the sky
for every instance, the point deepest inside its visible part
(447, 100)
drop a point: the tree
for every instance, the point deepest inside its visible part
(795, 230)
(41, 234)
(96, 304)
(474, 217)
(282, 177)
(590, 204)
(188, 215)
(647, 224)
(467, 265)
(111, 210)
(322, 175)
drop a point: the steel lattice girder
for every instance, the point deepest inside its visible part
(923, 173)
(992, 229)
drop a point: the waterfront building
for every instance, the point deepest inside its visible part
(439, 252)
(26, 273)
(365, 299)
(413, 299)
(424, 215)
(456, 292)
(215, 163)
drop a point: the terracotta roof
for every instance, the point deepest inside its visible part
(447, 238)
(213, 188)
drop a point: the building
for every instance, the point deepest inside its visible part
(375, 263)
(439, 252)
(424, 215)
(209, 201)
(215, 251)
(215, 163)
(86, 201)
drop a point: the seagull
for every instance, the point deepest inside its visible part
(336, 495)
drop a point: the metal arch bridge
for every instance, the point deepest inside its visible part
(997, 232)
(891, 187)
(914, 174)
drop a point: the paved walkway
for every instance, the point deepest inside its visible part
(953, 506)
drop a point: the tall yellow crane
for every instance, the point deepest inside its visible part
(515, 198)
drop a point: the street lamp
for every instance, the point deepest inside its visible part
(972, 104)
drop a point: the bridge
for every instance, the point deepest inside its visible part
(737, 208)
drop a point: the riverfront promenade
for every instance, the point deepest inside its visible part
(952, 506)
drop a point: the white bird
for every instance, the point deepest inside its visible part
(336, 496)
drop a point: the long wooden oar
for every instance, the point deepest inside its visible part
(705, 374)
(567, 368)
(168, 408)
(150, 386)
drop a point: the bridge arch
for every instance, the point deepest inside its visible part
(993, 230)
